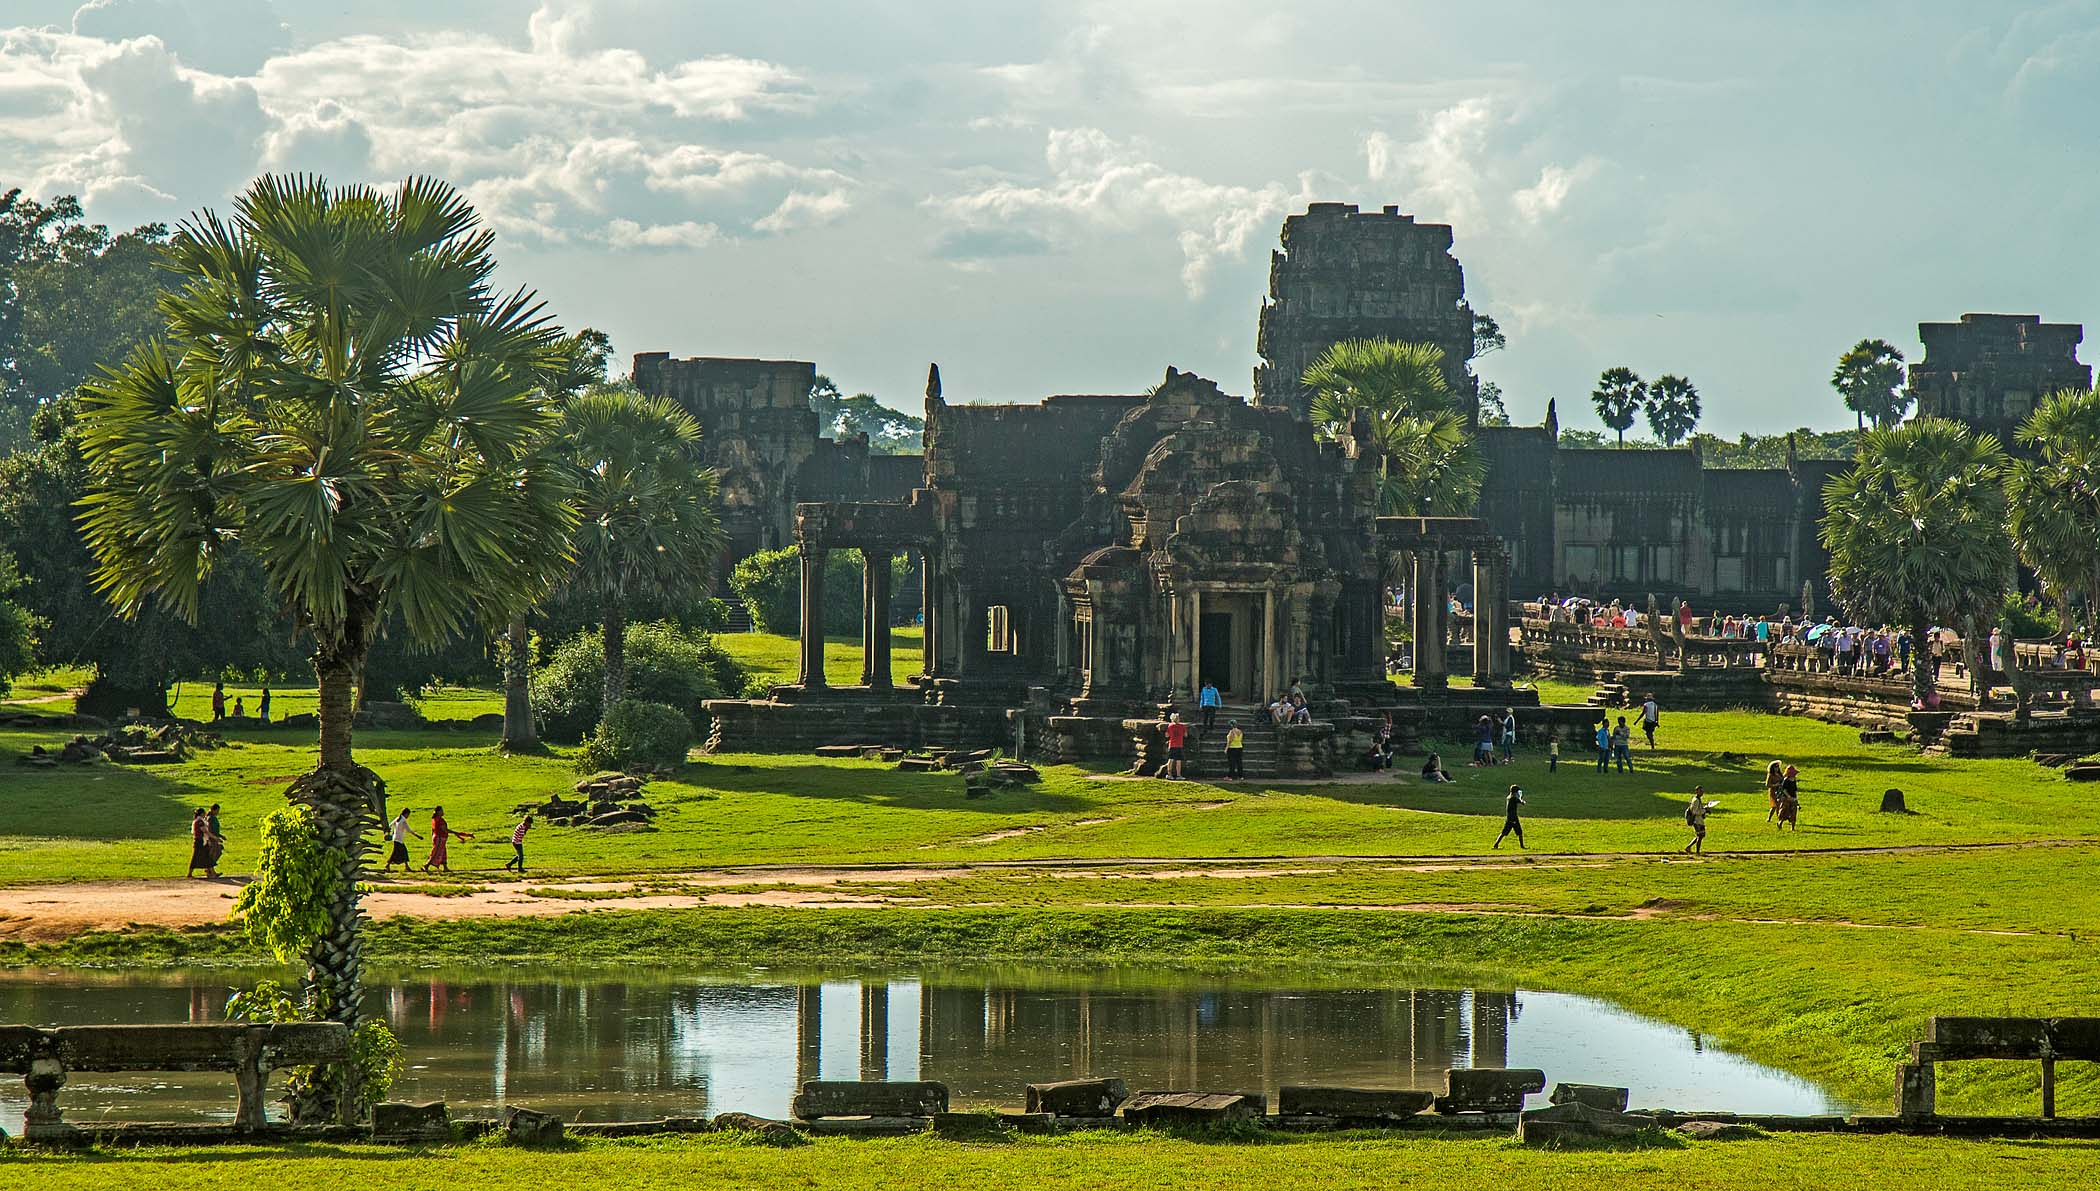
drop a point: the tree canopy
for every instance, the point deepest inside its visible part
(1429, 464)
(1869, 377)
(2054, 498)
(1619, 395)
(1916, 528)
(1673, 409)
(889, 431)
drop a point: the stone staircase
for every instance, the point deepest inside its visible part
(1207, 756)
(1611, 694)
(736, 616)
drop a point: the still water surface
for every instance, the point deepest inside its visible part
(633, 1045)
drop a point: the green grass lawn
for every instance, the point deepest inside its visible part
(1090, 1160)
(109, 821)
(772, 658)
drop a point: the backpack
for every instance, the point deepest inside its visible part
(1690, 819)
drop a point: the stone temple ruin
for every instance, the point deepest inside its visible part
(1084, 563)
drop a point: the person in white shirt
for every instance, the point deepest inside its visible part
(1695, 818)
(1651, 715)
(399, 832)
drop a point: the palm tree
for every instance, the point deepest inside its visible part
(2054, 499)
(340, 390)
(1916, 531)
(1619, 395)
(1870, 379)
(646, 501)
(1428, 463)
(1673, 409)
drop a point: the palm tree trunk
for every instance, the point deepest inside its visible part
(615, 655)
(519, 734)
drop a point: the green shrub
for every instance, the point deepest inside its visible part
(665, 664)
(770, 584)
(638, 735)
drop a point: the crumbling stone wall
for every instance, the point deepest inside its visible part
(1349, 274)
(1990, 370)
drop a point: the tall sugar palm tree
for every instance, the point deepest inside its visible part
(1619, 394)
(339, 389)
(1673, 409)
(1916, 531)
(2054, 498)
(1870, 379)
(1429, 464)
(646, 499)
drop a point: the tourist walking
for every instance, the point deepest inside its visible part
(1790, 799)
(398, 832)
(1553, 755)
(215, 837)
(218, 701)
(1209, 700)
(262, 708)
(440, 832)
(1235, 749)
(1651, 717)
(1509, 735)
(1511, 824)
(1604, 746)
(1177, 739)
(517, 846)
(1775, 776)
(1622, 746)
(200, 846)
(1695, 818)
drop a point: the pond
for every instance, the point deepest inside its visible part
(634, 1045)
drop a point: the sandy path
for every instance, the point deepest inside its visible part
(44, 913)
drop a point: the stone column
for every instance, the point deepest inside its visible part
(1196, 645)
(874, 1031)
(1430, 599)
(812, 650)
(809, 1033)
(1270, 685)
(929, 615)
(875, 619)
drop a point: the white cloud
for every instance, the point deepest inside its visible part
(1440, 169)
(627, 234)
(227, 37)
(803, 209)
(1544, 198)
(1100, 183)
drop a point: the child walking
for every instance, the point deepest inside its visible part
(1510, 822)
(517, 846)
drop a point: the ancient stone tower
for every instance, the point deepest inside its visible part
(1990, 370)
(1349, 274)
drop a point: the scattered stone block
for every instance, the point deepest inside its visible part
(1719, 1131)
(820, 1098)
(616, 817)
(918, 764)
(2084, 771)
(488, 721)
(1356, 1104)
(396, 1121)
(1595, 1095)
(1194, 1108)
(766, 1129)
(1488, 1089)
(1578, 1122)
(1874, 736)
(868, 1126)
(984, 1126)
(1892, 802)
(1015, 771)
(1078, 1097)
(527, 1127)
(842, 750)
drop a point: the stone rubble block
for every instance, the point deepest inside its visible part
(1361, 1104)
(397, 1121)
(1609, 1099)
(1488, 1089)
(822, 1098)
(1078, 1097)
(1576, 1121)
(1194, 1108)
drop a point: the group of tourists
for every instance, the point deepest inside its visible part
(240, 704)
(207, 842)
(1290, 706)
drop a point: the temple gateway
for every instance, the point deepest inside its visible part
(1084, 564)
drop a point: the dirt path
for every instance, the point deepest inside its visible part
(45, 913)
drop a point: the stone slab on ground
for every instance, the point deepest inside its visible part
(397, 1121)
(1719, 1130)
(1078, 1097)
(1357, 1104)
(1194, 1108)
(820, 1098)
(1609, 1099)
(1576, 1121)
(527, 1127)
(869, 1126)
(768, 1130)
(1488, 1089)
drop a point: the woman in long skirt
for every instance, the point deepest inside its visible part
(439, 833)
(201, 846)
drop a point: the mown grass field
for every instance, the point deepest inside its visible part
(1189, 1163)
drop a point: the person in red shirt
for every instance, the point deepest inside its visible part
(1177, 739)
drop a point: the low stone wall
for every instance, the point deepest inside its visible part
(852, 717)
(2000, 734)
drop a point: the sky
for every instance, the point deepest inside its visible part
(1072, 196)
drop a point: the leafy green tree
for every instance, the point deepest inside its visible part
(666, 664)
(1619, 395)
(1488, 339)
(1673, 409)
(770, 584)
(2054, 498)
(1429, 464)
(1771, 450)
(17, 626)
(646, 502)
(342, 391)
(889, 431)
(1916, 530)
(72, 296)
(1870, 379)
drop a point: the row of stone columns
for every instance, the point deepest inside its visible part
(1431, 620)
(874, 617)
